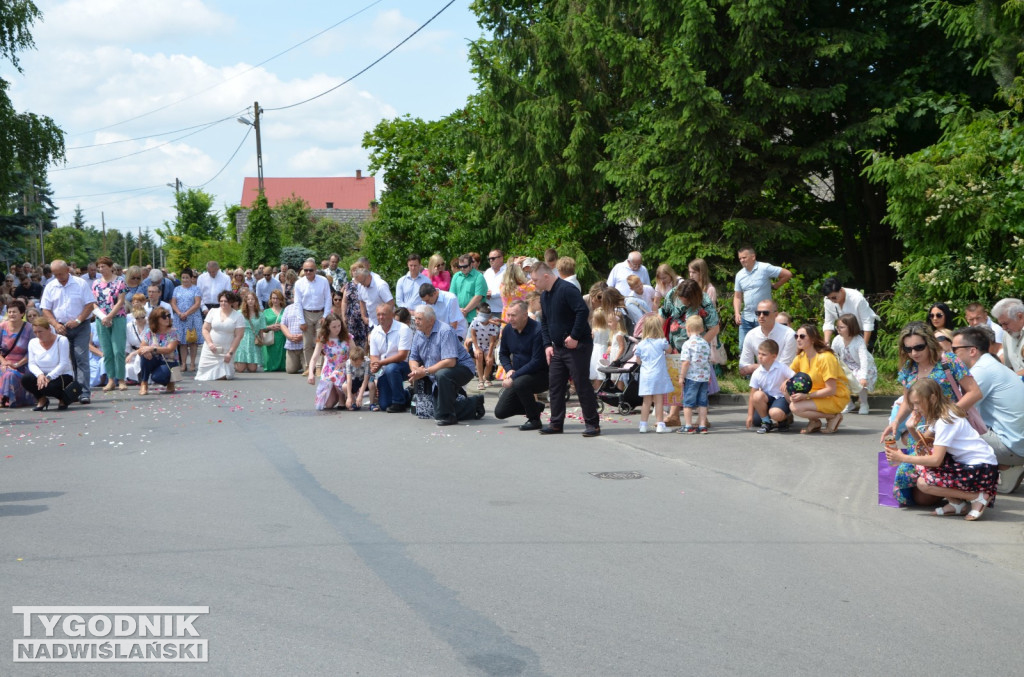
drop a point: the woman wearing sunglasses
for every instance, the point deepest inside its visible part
(921, 356)
(941, 317)
(829, 390)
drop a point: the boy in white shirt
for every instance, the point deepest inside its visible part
(768, 390)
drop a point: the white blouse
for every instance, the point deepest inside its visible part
(53, 362)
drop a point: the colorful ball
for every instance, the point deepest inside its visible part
(800, 383)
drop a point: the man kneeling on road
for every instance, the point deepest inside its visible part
(390, 343)
(521, 354)
(438, 355)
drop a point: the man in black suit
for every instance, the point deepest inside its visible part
(568, 345)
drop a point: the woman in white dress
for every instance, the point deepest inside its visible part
(223, 329)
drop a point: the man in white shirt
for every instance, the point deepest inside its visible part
(840, 300)
(67, 304)
(494, 276)
(633, 265)
(313, 295)
(266, 284)
(767, 328)
(1009, 313)
(407, 289)
(446, 309)
(211, 284)
(1001, 405)
(373, 291)
(390, 343)
(91, 275)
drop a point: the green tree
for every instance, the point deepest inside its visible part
(293, 219)
(261, 242)
(230, 221)
(69, 243)
(327, 236)
(28, 142)
(687, 128)
(195, 216)
(295, 256)
(433, 200)
(78, 221)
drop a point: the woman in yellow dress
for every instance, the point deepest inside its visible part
(829, 390)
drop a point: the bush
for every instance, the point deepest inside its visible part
(296, 256)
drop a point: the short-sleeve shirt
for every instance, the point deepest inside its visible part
(756, 286)
(440, 344)
(385, 344)
(467, 285)
(963, 442)
(773, 380)
(697, 352)
(485, 332)
(374, 295)
(107, 294)
(67, 302)
(908, 374)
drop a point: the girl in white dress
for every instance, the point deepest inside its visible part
(852, 353)
(223, 329)
(655, 381)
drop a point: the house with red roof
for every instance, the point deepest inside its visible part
(345, 199)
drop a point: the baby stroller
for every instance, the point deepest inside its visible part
(621, 385)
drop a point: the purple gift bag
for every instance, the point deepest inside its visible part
(886, 478)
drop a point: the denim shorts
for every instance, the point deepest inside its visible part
(695, 394)
(779, 403)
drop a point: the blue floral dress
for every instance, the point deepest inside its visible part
(184, 298)
(907, 473)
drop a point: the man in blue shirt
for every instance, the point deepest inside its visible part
(437, 354)
(407, 289)
(521, 354)
(1001, 404)
(753, 285)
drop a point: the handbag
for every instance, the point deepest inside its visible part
(175, 370)
(973, 417)
(72, 391)
(423, 399)
(191, 336)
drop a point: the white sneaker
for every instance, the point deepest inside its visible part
(864, 408)
(643, 427)
(660, 428)
(849, 408)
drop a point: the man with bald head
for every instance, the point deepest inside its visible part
(633, 265)
(67, 305)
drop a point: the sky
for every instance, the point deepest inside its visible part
(128, 74)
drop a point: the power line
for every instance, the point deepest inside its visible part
(384, 56)
(237, 75)
(144, 150)
(112, 192)
(149, 136)
(247, 132)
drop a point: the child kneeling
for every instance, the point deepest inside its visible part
(768, 405)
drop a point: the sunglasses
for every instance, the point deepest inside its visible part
(762, 313)
(935, 315)
(915, 349)
(800, 336)
(163, 315)
(308, 270)
(493, 258)
(463, 265)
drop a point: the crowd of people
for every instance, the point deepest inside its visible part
(525, 326)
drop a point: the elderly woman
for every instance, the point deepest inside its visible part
(922, 357)
(135, 282)
(158, 352)
(49, 366)
(830, 392)
(111, 293)
(15, 335)
(223, 330)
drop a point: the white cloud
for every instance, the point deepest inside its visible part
(104, 21)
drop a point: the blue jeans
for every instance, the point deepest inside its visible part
(391, 385)
(156, 369)
(745, 326)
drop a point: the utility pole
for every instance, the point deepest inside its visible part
(103, 220)
(259, 147)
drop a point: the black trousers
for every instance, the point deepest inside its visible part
(55, 388)
(575, 363)
(519, 400)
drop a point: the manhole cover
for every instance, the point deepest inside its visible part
(618, 475)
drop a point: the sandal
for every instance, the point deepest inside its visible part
(703, 430)
(482, 386)
(812, 427)
(957, 509)
(975, 514)
(832, 425)
(374, 407)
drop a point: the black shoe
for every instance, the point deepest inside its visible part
(42, 407)
(480, 411)
(62, 405)
(84, 400)
(766, 427)
(532, 424)
(592, 431)
(551, 430)
(396, 408)
(448, 420)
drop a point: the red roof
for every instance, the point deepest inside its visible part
(340, 192)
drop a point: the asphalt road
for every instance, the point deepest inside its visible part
(363, 543)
